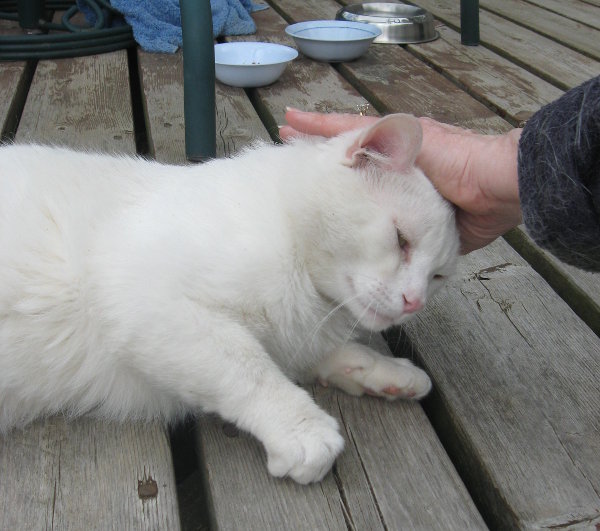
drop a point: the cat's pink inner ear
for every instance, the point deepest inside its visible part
(394, 141)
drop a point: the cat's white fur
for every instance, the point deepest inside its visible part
(131, 289)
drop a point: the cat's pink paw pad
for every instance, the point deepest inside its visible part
(391, 392)
(359, 370)
(393, 378)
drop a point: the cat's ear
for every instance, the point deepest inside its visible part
(392, 142)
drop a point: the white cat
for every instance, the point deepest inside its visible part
(131, 289)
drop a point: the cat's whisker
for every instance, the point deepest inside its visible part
(371, 330)
(351, 333)
(313, 333)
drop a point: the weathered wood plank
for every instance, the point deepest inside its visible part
(384, 449)
(395, 81)
(81, 103)
(575, 10)
(517, 394)
(162, 84)
(241, 492)
(542, 56)
(383, 452)
(580, 289)
(13, 90)
(85, 474)
(576, 35)
(14, 84)
(511, 91)
(162, 81)
(306, 84)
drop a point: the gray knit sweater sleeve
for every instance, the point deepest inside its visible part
(559, 176)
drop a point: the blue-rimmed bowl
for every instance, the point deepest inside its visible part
(333, 40)
(251, 64)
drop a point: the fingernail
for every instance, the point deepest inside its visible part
(292, 109)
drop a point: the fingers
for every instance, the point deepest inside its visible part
(286, 132)
(313, 123)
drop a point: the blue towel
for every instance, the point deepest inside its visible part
(156, 24)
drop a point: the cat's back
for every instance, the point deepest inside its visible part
(51, 197)
(53, 202)
(33, 176)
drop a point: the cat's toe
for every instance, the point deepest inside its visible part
(396, 378)
(307, 454)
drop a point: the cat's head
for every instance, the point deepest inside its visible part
(387, 239)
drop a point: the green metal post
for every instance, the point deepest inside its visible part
(198, 80)
(469, 22)
(30, 13)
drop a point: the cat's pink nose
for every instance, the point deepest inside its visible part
(412, 305)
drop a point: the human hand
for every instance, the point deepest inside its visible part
(477, 173)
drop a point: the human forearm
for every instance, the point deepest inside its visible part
(559, 176)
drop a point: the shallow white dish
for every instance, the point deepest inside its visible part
(251, 64)
(333, 40)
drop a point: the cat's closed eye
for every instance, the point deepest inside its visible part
(402, 242)
(439, 277)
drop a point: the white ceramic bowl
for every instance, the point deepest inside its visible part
(251, 64)
(333, 40)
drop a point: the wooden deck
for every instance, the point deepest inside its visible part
(510, 436)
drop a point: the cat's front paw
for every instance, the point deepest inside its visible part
(393, 378)
(358, 370)
(307, 451)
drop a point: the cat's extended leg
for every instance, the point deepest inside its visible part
(219, 367)
(358, 369)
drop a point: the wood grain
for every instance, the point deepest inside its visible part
(580, 289)
(305, 84)
(81, 102)
(543, 56)
(87, 475)
(576, 35)
(511, 91)
(240, 489)
(393, 474)
(162, 81)
(14, 80)
(14, 84)
(517, 394)
(575, 10)
(393, 80)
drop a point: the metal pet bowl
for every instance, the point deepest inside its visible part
(399, 23)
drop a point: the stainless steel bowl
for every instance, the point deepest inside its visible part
(399, 23)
